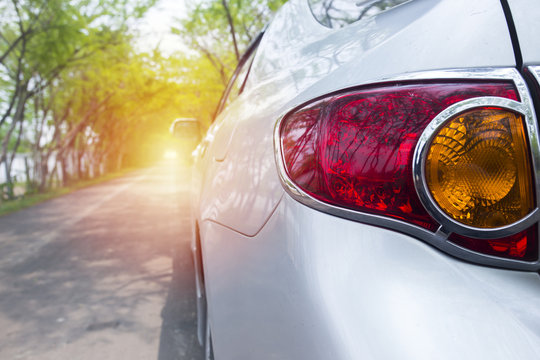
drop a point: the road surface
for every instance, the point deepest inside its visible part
(89, 275)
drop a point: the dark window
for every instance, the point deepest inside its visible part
(239, 77)
(237, 86)
(339, 13)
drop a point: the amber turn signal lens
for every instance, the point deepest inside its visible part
(478, 169)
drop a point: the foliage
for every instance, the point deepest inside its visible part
(75, 93)
(41, 42)
(221, 30)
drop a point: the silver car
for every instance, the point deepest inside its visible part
(369, 188)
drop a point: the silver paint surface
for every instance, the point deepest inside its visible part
(314, 286)
(285, 281)
(526, 15)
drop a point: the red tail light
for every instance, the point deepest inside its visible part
(355, 150)
(522, 245)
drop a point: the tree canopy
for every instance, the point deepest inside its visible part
(77, 97)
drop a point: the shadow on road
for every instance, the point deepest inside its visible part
(85, 276)
(178, 332)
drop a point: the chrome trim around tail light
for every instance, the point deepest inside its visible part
(439, 239)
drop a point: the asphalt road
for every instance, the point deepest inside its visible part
(90, 275)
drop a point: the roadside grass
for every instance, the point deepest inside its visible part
(25, 201)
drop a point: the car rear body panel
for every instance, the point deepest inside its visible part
(299, 60)
(285, 281)
(526, 16)
(321, 287)
(297, 52)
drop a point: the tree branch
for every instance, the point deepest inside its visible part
(233, 32)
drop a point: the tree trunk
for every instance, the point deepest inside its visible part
(27, 173)
(18, 116)
(9, 163)
(7, 191)
(44, 173)
(8, 187)
(63, 169)
(119, 161)
(231, 25)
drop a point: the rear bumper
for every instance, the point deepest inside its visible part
(313, 286)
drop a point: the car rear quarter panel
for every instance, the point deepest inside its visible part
(526, 16)
(299, 60)
(287, 282)
(314, 286)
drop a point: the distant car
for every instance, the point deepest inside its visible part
(369, 188)
(188, 133)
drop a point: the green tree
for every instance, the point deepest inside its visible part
(220, 30)
(39, 41)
